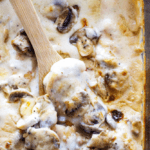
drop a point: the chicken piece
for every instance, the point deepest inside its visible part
(136, 125)
(29, 121)
(41, 139)
(106, 61)
(113, 83)
(48, 115)
(10, 135)
(39, 110)
(22, 44)
(111, 121)
(102, 89)
(18, 81)
(117, 79)
(69, 138)
(27, 102)
(103, 140)
(28, 116)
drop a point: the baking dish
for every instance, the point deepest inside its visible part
(147, 86)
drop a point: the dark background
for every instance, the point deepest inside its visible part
(147, 48)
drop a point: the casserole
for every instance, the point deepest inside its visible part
(93, 99)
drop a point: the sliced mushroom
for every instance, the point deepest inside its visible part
(54, 9)
(93, 119)
(90, 129)
(41, 139)
(66, 20)
(85, 39)
(22, 44)
(17, 95)
(93, 35)
(77, 35)
(67, 96)
(104, 140)
(79, 105)
(90, 33)
(77, 8)
(117, 115)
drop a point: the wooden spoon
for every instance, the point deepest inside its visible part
(45, 54)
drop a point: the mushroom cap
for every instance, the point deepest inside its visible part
(18, 94)
(87, 32)
(66, 20)
(85, 39)
(53, 8)
(22, 44)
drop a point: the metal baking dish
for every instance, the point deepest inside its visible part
(147, 54)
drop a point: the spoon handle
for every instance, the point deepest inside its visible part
(45, 54)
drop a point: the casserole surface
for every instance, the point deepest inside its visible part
(94, 97)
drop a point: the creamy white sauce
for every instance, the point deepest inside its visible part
(75, 88)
